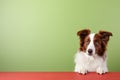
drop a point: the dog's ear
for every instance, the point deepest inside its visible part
(105, 35)
(82, 34)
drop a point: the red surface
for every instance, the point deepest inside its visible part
(57, 76)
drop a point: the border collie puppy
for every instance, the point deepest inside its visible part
(92, 57)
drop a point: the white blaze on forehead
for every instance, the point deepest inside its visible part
(91, 44)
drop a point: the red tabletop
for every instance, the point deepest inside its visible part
(57, 76)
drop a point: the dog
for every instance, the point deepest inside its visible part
(92, 55)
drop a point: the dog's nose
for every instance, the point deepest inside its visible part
(90, 51)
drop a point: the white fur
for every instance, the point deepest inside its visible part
(91, 44)
(85, 63)
(94, 63)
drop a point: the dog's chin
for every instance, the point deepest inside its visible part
(89, 56)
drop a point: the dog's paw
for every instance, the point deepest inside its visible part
(101, 70)
(81, 70)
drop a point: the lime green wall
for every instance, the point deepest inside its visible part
(40, 35)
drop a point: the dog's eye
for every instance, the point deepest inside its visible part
(87, 42)
(96, 43)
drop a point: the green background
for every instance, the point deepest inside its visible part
(40, 35)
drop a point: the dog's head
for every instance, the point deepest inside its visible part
(92, 43)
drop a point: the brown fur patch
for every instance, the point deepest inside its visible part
(105, 36)
(100, 47)
(100, 41)
(86, 43)
(82, 34)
